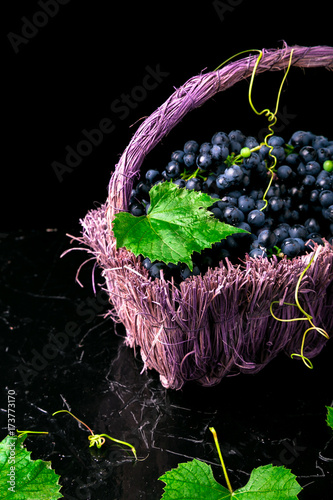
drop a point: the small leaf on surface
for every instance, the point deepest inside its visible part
(22, 478)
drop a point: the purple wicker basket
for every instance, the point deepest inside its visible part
(219, 323)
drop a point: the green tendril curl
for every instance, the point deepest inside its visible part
(99, 439)
(307, 317)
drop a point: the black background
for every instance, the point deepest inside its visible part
(67, 75)
(64, 80)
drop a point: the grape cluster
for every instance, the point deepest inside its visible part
(233, 168)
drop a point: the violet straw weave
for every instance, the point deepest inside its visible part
(219, 323)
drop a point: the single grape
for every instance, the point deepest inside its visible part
(326, 198)
(245, 152)
(178, 155)
(204, 161)
(246, 203)
(290, 247)
(152, 176)
(275, 140)
(194, 184)
(189, 159)
(220, 138)
(257, 252)
(191, 147)
(172, 169)
(267, 238)
(328, 165)
(256, 218)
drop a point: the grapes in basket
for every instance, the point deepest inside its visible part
(280, 193)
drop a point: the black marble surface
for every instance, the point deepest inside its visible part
(58, 351)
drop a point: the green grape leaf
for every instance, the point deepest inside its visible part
(329, 419)
(176, 225)
(269, 482)
(194, 480)
(22, 478)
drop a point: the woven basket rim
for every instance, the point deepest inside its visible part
(191, 95)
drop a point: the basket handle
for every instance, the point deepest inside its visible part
(194, 93)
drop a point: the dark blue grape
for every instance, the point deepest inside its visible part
(298, 231)
(313, 168)
(301, 138)
(232, 215)
(205, 147)
(178, 155)
(236, 135)
(292, 160)
(246, 203)
(276, 203)
(156, 268)
(152, 176)
(312, 225)
(191, 147)
(309, 181)
(204, 161)
(222, 182)
(180, 183)
(319, 141)
(279, 153)
(275, 140)
(147, 263)
(189, 159)
(323, 154)
(284, 172)
(307, 153)
(234, 174)
(326, 198)
(257, 252)
(172, 169)
(137, 209)
(290, 247)
(281, 232)
(328, 213)
(256, 218)
(220, 138)
(251, 142)
(218, 213)
(263, 151)
(267, 238)
(235, 147)
(194, 184)
(219, 152)
(252, 161)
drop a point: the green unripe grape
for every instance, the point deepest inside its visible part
(245, 152)
(328, 165)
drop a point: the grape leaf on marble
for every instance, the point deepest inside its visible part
(28, 479)
(194, 480)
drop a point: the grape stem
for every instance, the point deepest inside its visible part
(213, 431)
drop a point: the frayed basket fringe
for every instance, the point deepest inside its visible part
(219, 323)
